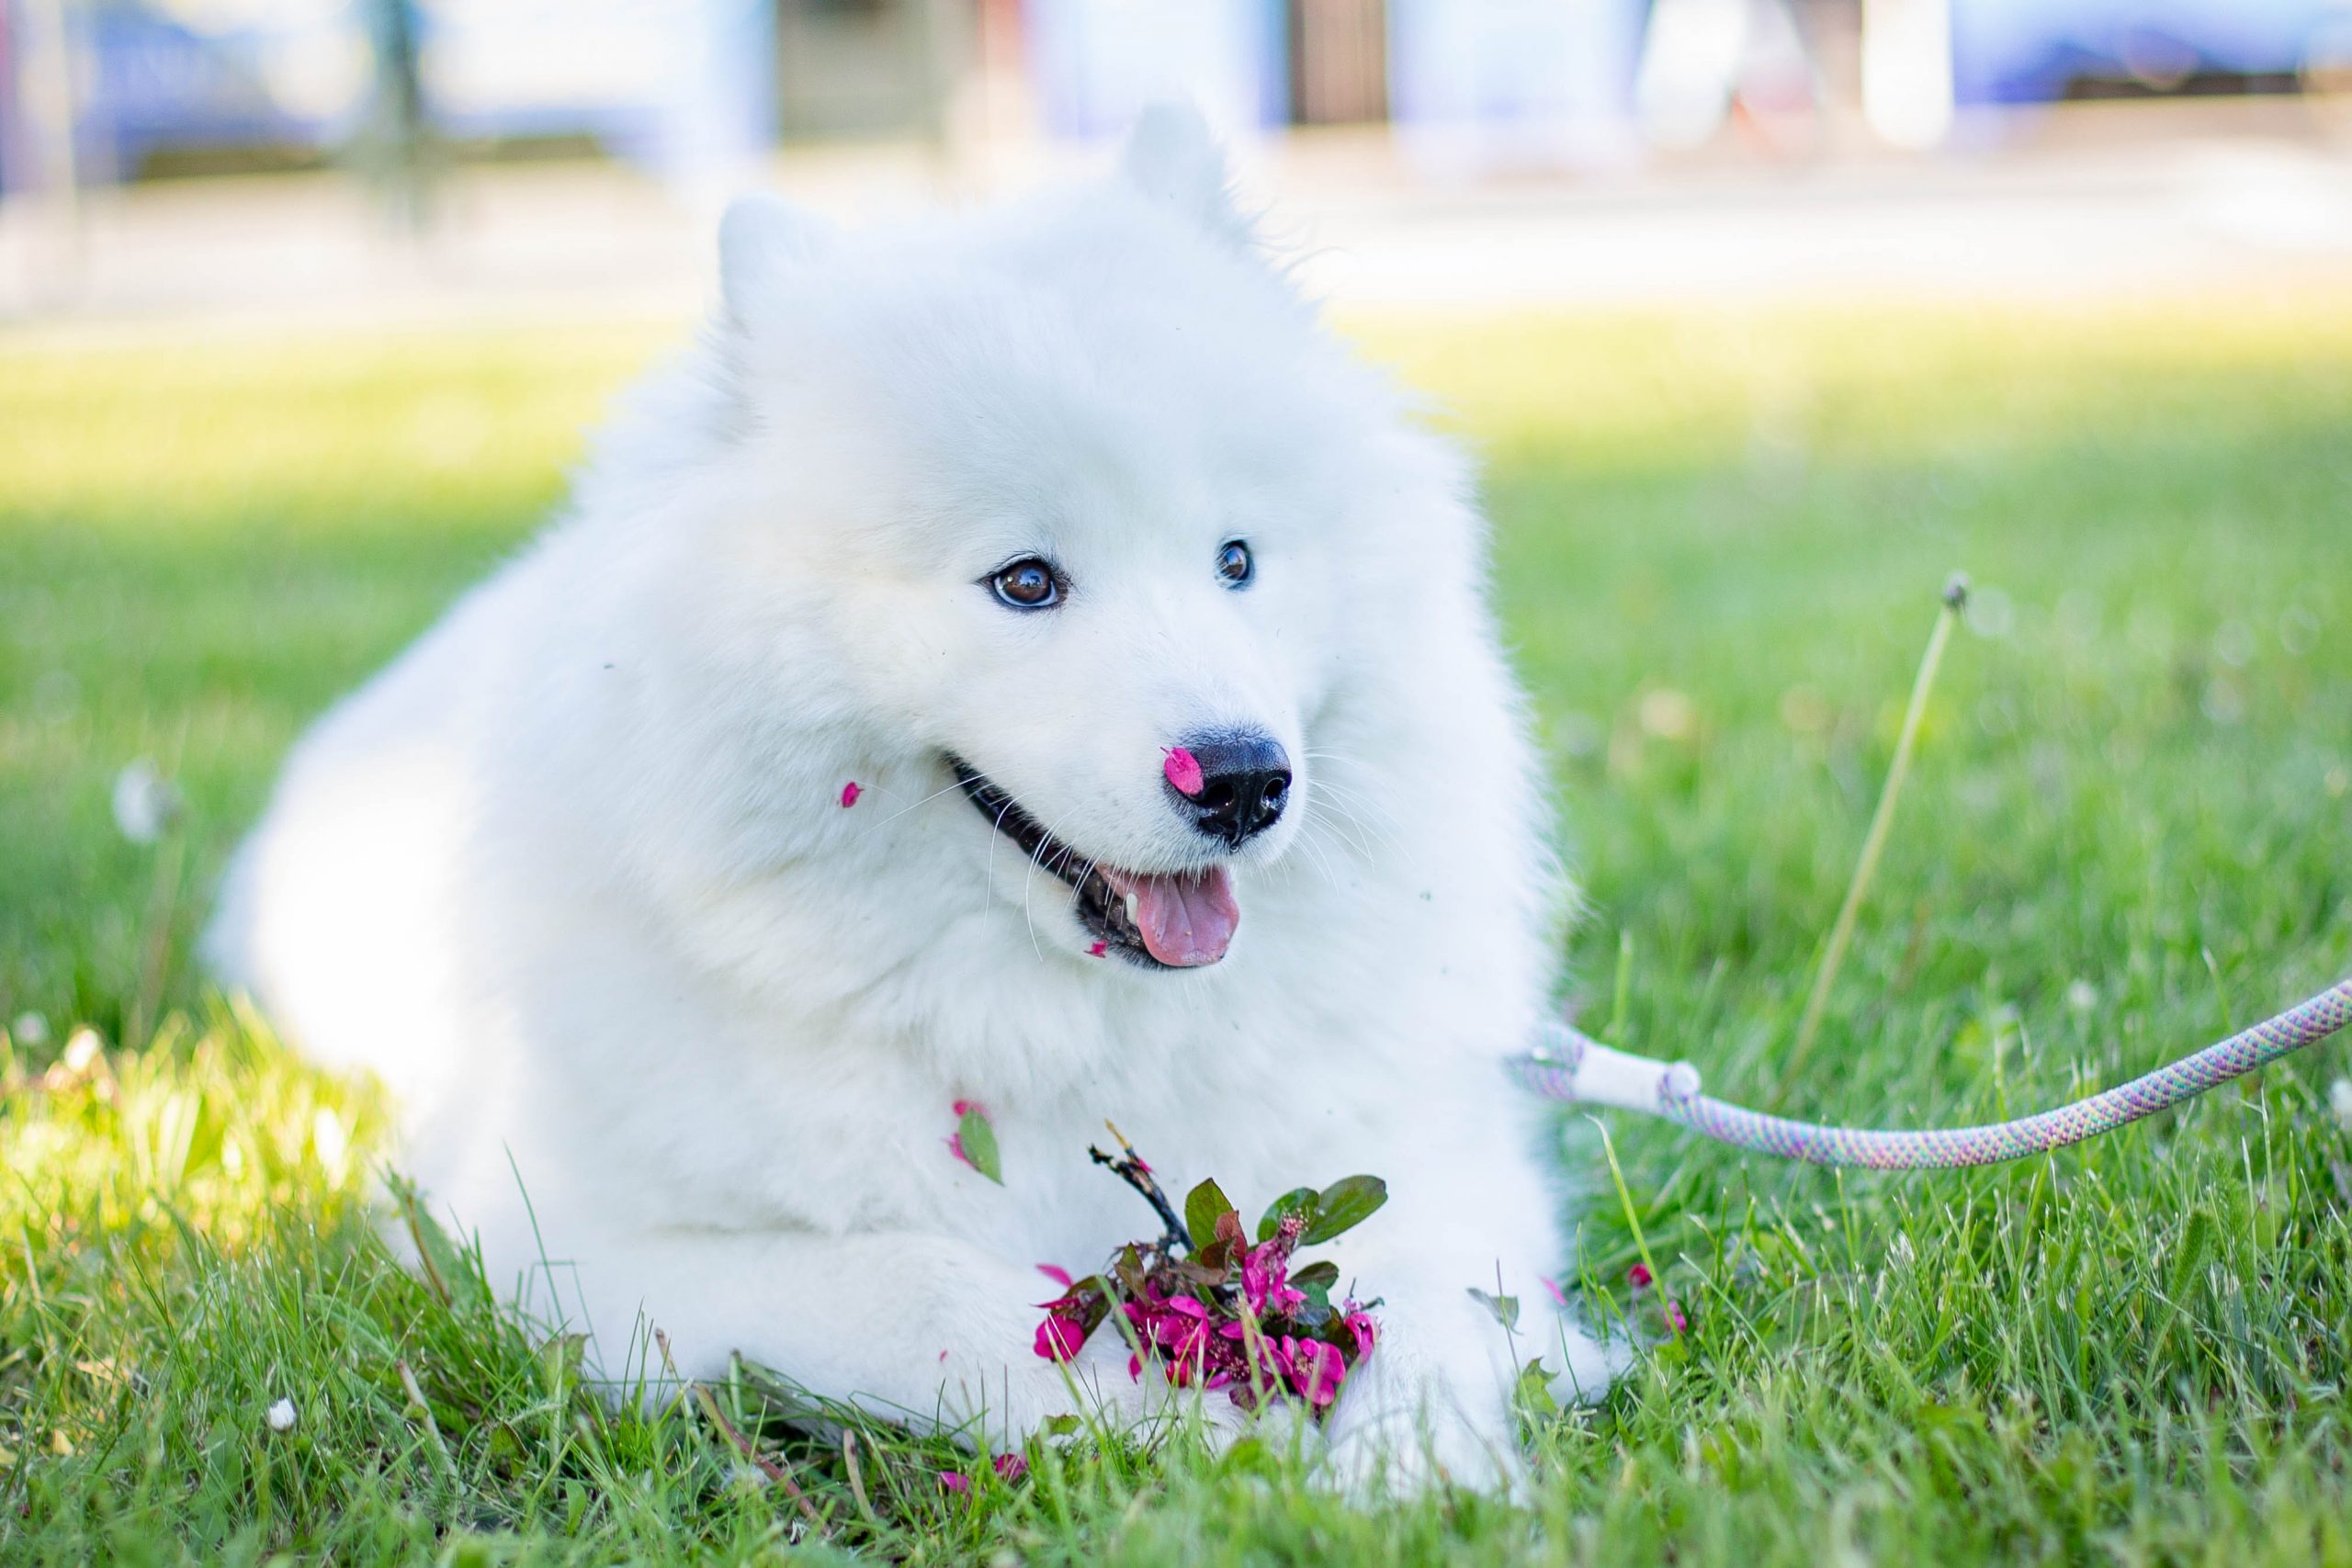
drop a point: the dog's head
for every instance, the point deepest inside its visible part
(1076, 489)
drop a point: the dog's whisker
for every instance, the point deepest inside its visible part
(884, 822)
(1336, 836)
(1384, 832)
(1050, 840)
(987, 888)
(1343, 792)
(1321, 813)
(1306, 842)
(1329, 760)
(1326, 845)
(1361, 798)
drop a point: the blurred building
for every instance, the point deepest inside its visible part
(100, 90)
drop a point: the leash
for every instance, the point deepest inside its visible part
(1569, 1065)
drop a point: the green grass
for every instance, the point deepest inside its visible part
(1720, 540)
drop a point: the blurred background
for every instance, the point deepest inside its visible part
(382, 159)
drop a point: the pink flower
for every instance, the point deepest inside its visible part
(1265, 1280)
(1316, 1368)
(1012, 1467)
(963, 1108)
(955, 1142)
(1263, 1356)
(1640, 1278)
(1057, 1274)
(1552, 1288)
(1182, 1332)
(1261, 1361)
(956, 1481)
(850, 791)
(1184, 770)
(1098, 949)
(1060, 1336)
(1360, 1323)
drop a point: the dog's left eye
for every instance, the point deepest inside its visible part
(1234, 565)
(1027, 584)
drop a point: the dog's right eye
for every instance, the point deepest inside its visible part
(1028, 584)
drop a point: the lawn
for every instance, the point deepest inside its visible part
(1720, 537)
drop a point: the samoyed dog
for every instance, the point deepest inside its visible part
(1019, 659)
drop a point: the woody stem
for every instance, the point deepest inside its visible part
(1130, 1168)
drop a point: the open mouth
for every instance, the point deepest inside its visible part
(1160, 920)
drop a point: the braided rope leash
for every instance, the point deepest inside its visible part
(1569, 1065)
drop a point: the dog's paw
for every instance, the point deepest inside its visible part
(1407, 1453)
(1432, 1407)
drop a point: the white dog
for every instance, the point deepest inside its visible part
(651, 881)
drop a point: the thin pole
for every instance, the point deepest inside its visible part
(1881, 823)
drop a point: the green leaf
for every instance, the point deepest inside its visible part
(1094, 1304)
(1201, 1207)
(977, 1138)
(1321, 1274)
(1200, 1274)
(1505, 1308)
(560, 1358)
(1251, 1456)
(1532, 1393)
(1060, 1426)
(1298, 1201)
(1342, 1206)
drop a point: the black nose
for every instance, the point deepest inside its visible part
(1245, 783)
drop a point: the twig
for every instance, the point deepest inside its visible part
(1955, 598)
(677, 1379)
(406, 1196)
(1130, 1168)
(857, 1478)
(420, 1410)
(774, 1468)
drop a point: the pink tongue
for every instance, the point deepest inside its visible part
(1186, 921)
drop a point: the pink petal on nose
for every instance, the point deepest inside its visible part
(1184, 770)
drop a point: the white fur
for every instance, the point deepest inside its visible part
(572, 875)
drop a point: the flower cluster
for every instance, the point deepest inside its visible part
(1235, 1313)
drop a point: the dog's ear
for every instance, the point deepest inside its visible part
(1172, 157)
(760, 240)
